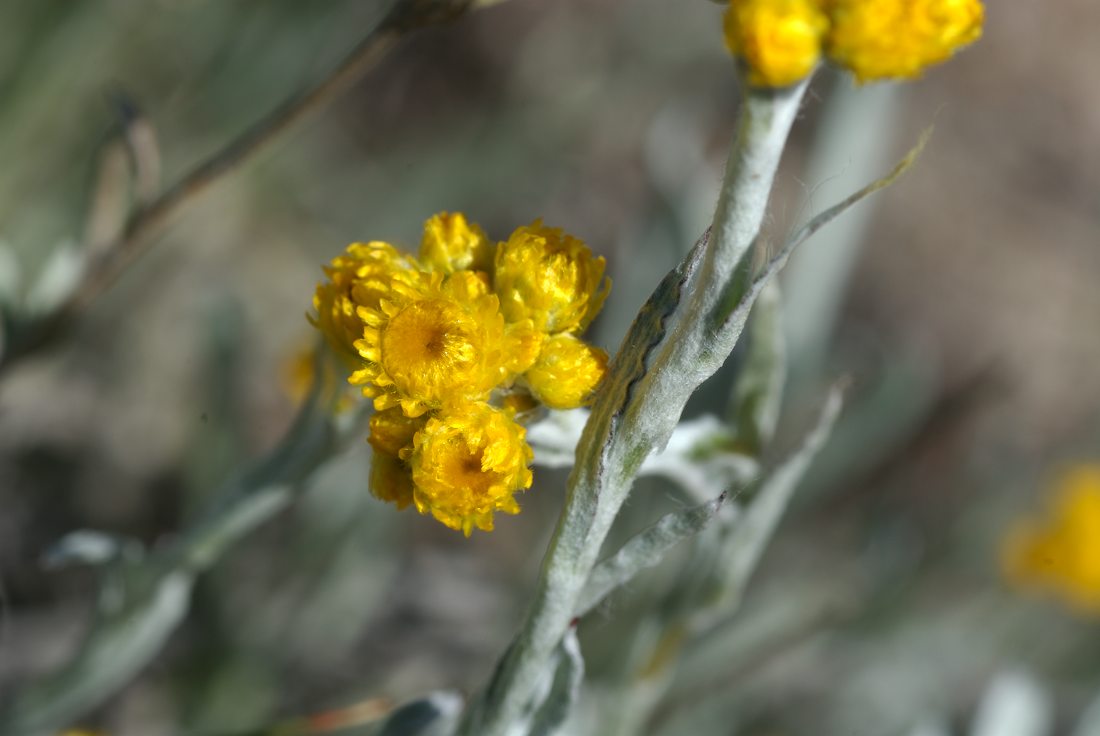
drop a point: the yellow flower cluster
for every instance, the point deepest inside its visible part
(455, 347)
(1061, 553)
(781, 41)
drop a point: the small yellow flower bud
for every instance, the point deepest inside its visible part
(566, 373)
(358, 278)
(391, 437)
(391, 432)
(780, 40)
(467, 462)
(549, 277)
(898, 39)
(450, 244)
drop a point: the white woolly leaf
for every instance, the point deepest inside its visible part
(645, 550)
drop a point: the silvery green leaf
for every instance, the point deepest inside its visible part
(123, 638)
(930, 728)
(11, 275)
(554, 438)
(1089, 725)
(681, 336)
(853, 141)
(58, 278)
(1013, 705)
(758, 393)
(143, 599)
(433, 715)
(82, 547)
(644, 550)
(754, 528)
(700, 456)
(555, 710)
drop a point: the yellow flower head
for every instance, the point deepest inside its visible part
(467, 462)
(566, 373)
(358, 278)
(450, 244)
(780, 40)
(391, 436)
(883, 39)
(433, 339)
(549, 277)
(1061, 553)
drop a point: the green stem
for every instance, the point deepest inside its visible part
(682, 335)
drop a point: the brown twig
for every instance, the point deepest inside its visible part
(150, 218)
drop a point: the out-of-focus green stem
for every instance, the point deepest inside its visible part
(129, 632)
(681, 336)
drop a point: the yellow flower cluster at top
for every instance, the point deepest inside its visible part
(781, 41)
(1061, 553)
(457, 345)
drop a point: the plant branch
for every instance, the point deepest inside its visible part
(111, 259)
(681, 336)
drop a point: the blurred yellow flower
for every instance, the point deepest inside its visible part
(299, 372)
(467, 462)
(567, 372)
(780, 40)
(884, 39)
(358, 278)
(1061, 552)
(450, 244)
(549, 277)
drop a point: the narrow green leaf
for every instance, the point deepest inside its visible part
(564, 693)
(758, 393)
(754, 528)
(644, 550)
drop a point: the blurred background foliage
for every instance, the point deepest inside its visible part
(967, 322)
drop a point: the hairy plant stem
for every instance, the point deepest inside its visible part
(682, 335)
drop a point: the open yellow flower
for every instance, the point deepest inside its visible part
(898, 39)
(549, 277)
(451, 243)
(433, 339)
(357, 278)
(467, 462)
(566, 373)
(1061, 552)
(780, 40)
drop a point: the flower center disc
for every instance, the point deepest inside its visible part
(462, 466)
